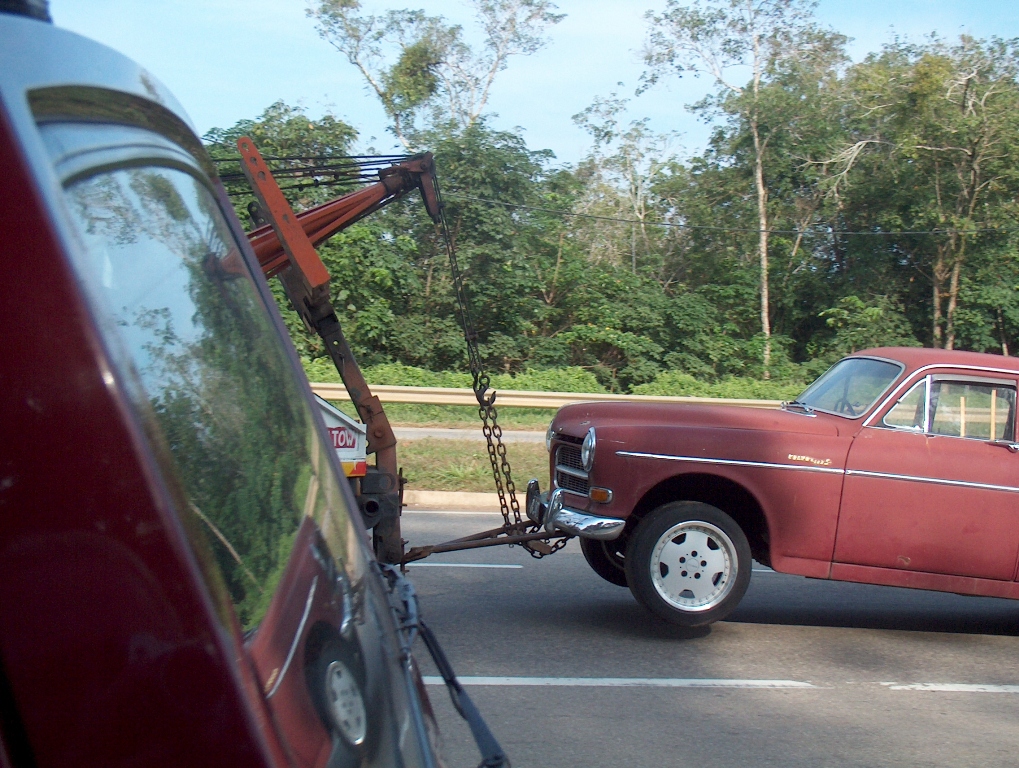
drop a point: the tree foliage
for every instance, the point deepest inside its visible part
(422, 69)
(837, 206)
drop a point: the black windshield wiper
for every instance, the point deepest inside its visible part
(411, 625)
(790, 404)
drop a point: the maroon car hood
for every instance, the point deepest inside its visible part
(575, 419)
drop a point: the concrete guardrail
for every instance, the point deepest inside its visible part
(513, 398)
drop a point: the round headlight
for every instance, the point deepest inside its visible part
(549, 434)
(587, 450)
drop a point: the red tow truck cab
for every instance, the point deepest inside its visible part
(182, 578)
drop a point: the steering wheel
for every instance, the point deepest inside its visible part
(844, 406)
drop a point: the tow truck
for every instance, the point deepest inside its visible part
(285, 247)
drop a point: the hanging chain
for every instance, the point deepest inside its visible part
(501, 472)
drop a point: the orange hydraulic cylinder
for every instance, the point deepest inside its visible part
(319, 224)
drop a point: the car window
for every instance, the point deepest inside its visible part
(234, 437)
(970, 409)
(184, 312)
(911, 409)
(851, 386)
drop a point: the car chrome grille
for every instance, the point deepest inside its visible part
(568, 456)
(570, 474)
(571, 483)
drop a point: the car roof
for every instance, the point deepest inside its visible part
(920, 357)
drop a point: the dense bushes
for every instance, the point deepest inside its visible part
(396, 374)
(566, 380)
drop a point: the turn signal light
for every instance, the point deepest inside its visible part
(601, 495)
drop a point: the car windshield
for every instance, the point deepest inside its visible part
(851, 386)
(235, 438)
(216, 385)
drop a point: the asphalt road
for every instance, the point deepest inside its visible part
(804, 673)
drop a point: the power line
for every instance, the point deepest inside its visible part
(305, 158)
(339, 170)
(745, 230)
(344, 174)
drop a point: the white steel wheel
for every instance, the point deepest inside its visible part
(346, 703)
(689, 563)
(337, 686)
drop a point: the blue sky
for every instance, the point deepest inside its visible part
(227, 60)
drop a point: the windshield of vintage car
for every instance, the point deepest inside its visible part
(850, 387)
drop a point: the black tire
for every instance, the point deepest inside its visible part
(688, 563)
(336, 682)
(605, 559)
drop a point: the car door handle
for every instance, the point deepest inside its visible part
(1013, 447)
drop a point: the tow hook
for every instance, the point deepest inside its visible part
(537, 503)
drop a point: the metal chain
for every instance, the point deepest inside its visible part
(501, 472)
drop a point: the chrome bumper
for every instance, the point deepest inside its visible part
(554, 515)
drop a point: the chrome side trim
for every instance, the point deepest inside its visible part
(829, 470)
(297, 638)
(933, 480)
(731, 462)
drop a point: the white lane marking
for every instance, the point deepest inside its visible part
(479, 513)
(698, 682)
(460, 565)
(952, 687)
(623, 682)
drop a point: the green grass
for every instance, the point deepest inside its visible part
(462, 465)
(550, 380)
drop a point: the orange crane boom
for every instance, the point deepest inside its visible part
(285, 247)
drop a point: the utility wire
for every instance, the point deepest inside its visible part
(678, 225)
(333, 158)
(343, 173)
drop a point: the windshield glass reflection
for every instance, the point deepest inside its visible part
(190, 319)
(851, 386)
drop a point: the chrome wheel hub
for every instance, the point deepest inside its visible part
(693, 566)
(346, 704)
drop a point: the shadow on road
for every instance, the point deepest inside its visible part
(777, 599)
(632, 621)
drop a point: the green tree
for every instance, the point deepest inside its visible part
(722, 40)
(861, 324)
(420, 66)
(281, 131)
(939, 139)
(622, 170)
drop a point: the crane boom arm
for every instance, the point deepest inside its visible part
(323, 221)
(285, 247)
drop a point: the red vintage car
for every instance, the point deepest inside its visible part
(896, 467)
(184, 577)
